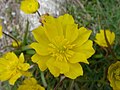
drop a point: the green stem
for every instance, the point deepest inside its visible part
(59, 83)
(43, 79)
(71, 85)
(26, 33)
(109, 46)
(12, 38)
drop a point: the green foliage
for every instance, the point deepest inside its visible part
(96, 15)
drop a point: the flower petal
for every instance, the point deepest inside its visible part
(0, 30)
(62, 65)
(78, 57)
(14, 78)
(12, 56)
(66, 19)
(41, 61)
(53, 31)
(117, 83)
(29, 6)
(40, 49)
(86, 49)
(74, 71)
(23, 66)
(21, 58)
(71, 32)
(100, 38)
(5, 75)
(54, 70)
(83, 36)
(39, 35)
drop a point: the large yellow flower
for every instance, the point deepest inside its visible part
(30, 84)
(61, 46)
(114, 75)
(12, 67)
(29, 6)
(100, 38)
(0, 31)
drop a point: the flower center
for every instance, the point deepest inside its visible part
(117, 74)
(61, 49)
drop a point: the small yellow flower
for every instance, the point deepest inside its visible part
(0, 31)
(61, 46)
(29, 6)
(30, 84)
(12, 67)
(100, 38)
(114, 75)
(14, 44)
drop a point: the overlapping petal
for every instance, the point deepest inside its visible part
(83, 36)
(41, 61)
(11, 67)
(74, 71)
(100, 38)
(40, 48)
(30, 84)
(114, 75)
(86, 49)
(53, 69)
(67, 46)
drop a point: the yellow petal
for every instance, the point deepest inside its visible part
(66, 19)
(71, 32)
(62, 65)
(54, 70)
(100, 38)
(112, 38)
(40, 49)
(0, 31)
(117, 84)
(30, 81)
(29, 6)
(83, 36)
(23, 66)
(53, 31)
(39, 35)
(74, 71)
(12, 56)
(86, 49)
(27, 74)
(78, 57)
(41, 61)
(21, 58)
(5, 75)
(14, 78)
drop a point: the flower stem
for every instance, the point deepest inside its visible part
(59, 83)
(38, 13)
(109, 46)
(26, 33)
(12, 38)
(43, 79)
(71, 85)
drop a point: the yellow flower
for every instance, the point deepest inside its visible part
(0, 31)
(14, 44)
(30, 84)
(114, 75)
(100, 38)
(61, 46)
(29, 6)
(12, 67)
